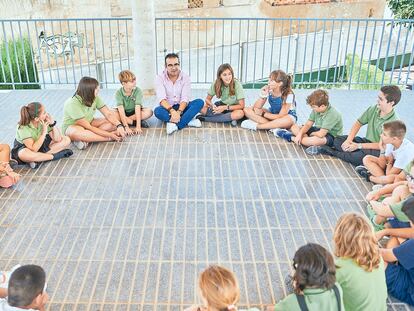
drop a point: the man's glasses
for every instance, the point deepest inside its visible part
(173, 65)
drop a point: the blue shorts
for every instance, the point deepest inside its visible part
(395, 223)
(329, 137)
(399, 283)
(293, 114)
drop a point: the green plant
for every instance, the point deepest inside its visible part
(403, 9)
(14, 55)
(365, 73)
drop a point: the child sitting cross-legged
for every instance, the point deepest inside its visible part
(26, 290)
(323, 125)
(395, 154)
(359, 266)
(314, 282)
(219, 290)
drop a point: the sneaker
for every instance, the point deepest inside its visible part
(34, 165)
(285, 134)
(377, 187)
(81, 145)
(233, 123)
(171, 128)
(144, 124)
(249, 125)
(194, 123)
(13, 163)
(274, 131)
(363, 172)
(200, 117)
(313, 150)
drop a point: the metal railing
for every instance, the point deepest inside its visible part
(352, 53)
(58, 52)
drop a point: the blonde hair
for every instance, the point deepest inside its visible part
(281, 76)
(354, 238)
(219, 288)
(126, 76)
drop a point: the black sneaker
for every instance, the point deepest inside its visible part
(144, 124)
(363, 172)
(200, 117)
(326, 150)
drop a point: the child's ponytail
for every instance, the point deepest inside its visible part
(29, 113)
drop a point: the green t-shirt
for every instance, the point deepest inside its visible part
(225, 93)
(372, 118)
(316, 299)
(74, 109)
(129, 102)
(29, 131)
(362, 290)
(396, 209)
(330, 119)
(407, 169)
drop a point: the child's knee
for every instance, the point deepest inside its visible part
(237, 114)
(4, 148)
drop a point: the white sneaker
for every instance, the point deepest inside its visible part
(249, 125)
(377, 187)
(274, 131)
(81, 145)
(194, 123)
(171, 128)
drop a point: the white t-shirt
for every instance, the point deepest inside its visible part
(403, 155)
(4, 306)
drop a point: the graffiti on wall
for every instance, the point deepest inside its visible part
(61, 44)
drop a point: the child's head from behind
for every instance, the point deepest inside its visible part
(393, 132)
(225, 77)
(279, 79)
(127, 78)
(318, 100)
(314, 268)
(219, 288)
(26, 287)
(355, 239)
(34, 111)
(388, 96)
(88, 89)
(408, 209)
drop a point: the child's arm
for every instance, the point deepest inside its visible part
(3, 292)
(239, 106)
(303, 130)
(138, 111)
(381, 209)
(208, 101)
(405, 233)
(388, 255)
(122, 116)
(35, 145)
(321, 133)
(283, 112)
(352, 133)
(113, 119)
(55, 133)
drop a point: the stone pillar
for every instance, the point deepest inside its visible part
(143, 20)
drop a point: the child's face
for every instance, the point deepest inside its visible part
(386, 138)
(226, 76)
(382, 103)
(273, 84)
(42, 114)
(97, 91)
(129, 85)
(319, 109)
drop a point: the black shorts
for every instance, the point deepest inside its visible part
(329, 137)
(17, 146)
(130, 113)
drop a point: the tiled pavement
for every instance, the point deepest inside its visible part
(128, 226)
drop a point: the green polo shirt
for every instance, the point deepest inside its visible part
(129, 102)
(225, 93)
(330, 119)
(29, 131)
(363, 291)
(316, 299)
(396, 209)
(372, 118)
(74, 109)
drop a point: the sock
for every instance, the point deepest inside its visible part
(62, 154)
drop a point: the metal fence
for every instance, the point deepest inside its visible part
(58, 52)
(352, 53)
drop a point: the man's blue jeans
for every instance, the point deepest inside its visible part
(189, 112)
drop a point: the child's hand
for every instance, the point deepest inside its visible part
(45, 125)
(120, 131)
(373, 196)
(115, 137)
(258, 111)
(49, 118)
(264, 91)
(128, 131)
(219, 109)
(380, 234)
(298, 139)
(138, 131)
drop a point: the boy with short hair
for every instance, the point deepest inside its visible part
(129, 101)
(323, 125)
(352, 148)
(399, 258)
(26, 290)
(395, 154)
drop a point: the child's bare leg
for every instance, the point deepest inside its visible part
(250, 114)
(375, 165)
(237, 114)
(285, 122)
(382, 180)
(146, 113)
(27, 155)
(59, 146)
(103, 124)
(4, 153)
(313, 141)
(78, 133)
(400, 193)
(295, 129)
